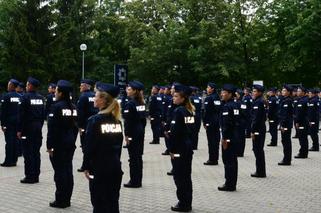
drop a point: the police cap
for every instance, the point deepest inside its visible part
(109, 88)
(302, 88)
(87, 81)
(289, 88)
(33, 81)
(229, 88)
(52, 85)
(64, 85)
(212, 85)
(184, 89)
(14, 82)
(136, 85)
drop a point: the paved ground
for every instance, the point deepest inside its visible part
(286, 189)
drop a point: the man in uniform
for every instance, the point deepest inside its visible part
(229, 120)
(212, 107)
(20, 88)
(155, 113)
(314, 118)
(85, 109)
(258, 130)
(295, 104)
(30, 121)
(273, 109)
(301, 122)
(50, 97)
(247, 101)
(196, 100)
(9, 111)
(167, 100)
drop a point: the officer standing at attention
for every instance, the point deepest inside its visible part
(247, 101)
(314, 118)
(180, 148)
(301, 122)
(196, 100)
(102, 151)
(167, 101)
(229, 121)
(258, 130)
(155, 113)
(286, 124)
(9, 111)
(295, 105)
(273, 109)
(30, 121)
(211, 122)
(241, 138)
(85, 109)
(61, 140)
(134, 115)
(50, 97)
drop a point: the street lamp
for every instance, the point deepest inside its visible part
(83, 48)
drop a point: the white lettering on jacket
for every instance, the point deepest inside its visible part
(110, 128)
(67, 112)
(36, 102)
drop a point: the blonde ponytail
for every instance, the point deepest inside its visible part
(111, 104)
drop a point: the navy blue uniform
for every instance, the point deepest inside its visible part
(196, 100)
(134, 124)
(85, 109)
(155, 113)
(30, 121)
(230, 122)
(9, 119)
(273, 109)
(295, 105)
(61, 139)
(102, 159)
(286, 124)
(169, 116)
(211, 120)
(314, 118)
(241, 137)
(301, 122)
(247, 101)
(50, 100)
(258, 129)
(181, 129)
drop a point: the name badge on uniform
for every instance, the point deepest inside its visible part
(243, 106)
(217, 103)
(255, 107)
(169, 106)
(311, 105)
(270, 102)
(36, 102)
(206, 102)
(189, 120)
(173, 122)
(159, 98)
(285, 105)
(225, 113)
(126, 111)
(110, 128)
(14, 100)
(53, 98)
(236, 112)
(299, 105)
(140, 108)
(196, 101)
(91, 99)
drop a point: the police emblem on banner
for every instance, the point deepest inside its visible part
(121, 76)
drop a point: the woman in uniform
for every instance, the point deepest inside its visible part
(180, 148)
(134, 123)
(104, 139)
(61, 139)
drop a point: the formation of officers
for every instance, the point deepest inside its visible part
(176, 113)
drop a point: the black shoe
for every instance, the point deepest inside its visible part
(271, 144)
(29, 180)
(59, 205)
(8, 164)
(258, 175)
(165, 153)
(295, 136)
(125, 146)
(226, 188)
(131, 185)
(154, 142)
(170, 173)
(300, 156)
(211, 163)
(80, 170)
(283, 163)
(314, 149)
(178, 208)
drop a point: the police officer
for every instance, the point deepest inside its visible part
(229, 121)
(286, 124)
(85, 109)
(314, 118)
(155, 113)
(196, 100)
(50, 97)
(212, 107)
(241, 124)
(61, 140)
(102, 160)
(301, 122)
(258, 130)
(273, 109)
(9, 111)
(134, 115)
(295, 104)
(180, 148)
(20, 88)
(247, 101)
(30, 121)
(167, 104)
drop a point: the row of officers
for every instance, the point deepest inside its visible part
(175, 115)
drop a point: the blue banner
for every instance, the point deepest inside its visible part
(121, 76)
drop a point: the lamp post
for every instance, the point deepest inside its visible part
(83, 48)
